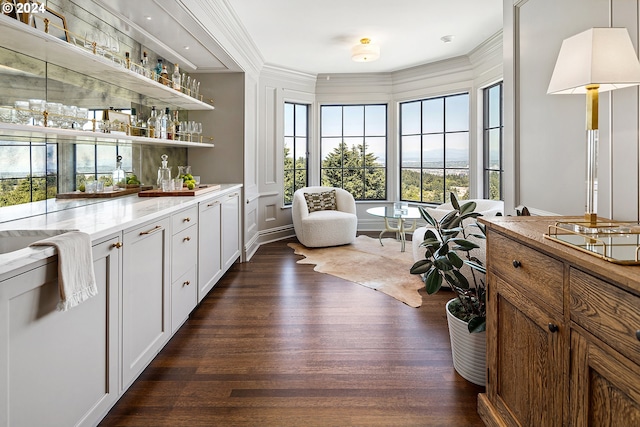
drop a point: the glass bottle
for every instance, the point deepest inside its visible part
(135, 127)
(174, 127)
(118, 175)
(176, 79)
(164, 171)
(165, 120)
(145, 65)
(152, 123)
(164, 76)
(127, 61)
(158, 70)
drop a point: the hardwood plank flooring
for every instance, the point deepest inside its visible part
(277, 344)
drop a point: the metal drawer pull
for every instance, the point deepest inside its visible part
(186, 283)
(233, 195)
(187, 219)
(213, 204)
(186, 239)
(553, 328)
(638, 334)
(117, 245)
(156, 228)
(516, 263)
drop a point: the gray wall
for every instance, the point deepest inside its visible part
(545, 134)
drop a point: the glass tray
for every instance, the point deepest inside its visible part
(613, 241)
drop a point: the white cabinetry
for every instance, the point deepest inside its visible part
(59, 368)
(219, 239)
(209, 245)
(184, 264)
(145, 296)
(230, 229)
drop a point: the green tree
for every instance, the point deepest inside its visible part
(295, 175)
(356, 170)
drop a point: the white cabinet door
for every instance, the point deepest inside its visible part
(230, 229)
(146, 287)
(59, 368)
(209, 245)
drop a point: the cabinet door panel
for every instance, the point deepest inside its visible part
(63, 364)
(145, 297)
(606, 386)
(230, 230)
(209, 246)
(527, 370)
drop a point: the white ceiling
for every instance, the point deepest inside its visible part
(312, 36)
(316, 36)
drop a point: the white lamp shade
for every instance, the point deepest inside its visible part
(602, 56)
(365, 51)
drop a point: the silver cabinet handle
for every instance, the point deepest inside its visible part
(186, 239)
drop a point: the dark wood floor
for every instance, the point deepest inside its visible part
(277, 344)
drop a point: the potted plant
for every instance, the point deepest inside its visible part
(448, 249)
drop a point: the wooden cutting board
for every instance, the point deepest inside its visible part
(201, 189)
(102, 195)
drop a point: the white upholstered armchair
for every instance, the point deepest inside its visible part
(324, 216)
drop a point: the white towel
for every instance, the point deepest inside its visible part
(76, 278)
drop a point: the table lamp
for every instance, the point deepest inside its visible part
(596, 60)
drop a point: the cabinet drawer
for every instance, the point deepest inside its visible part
(608, 312)
(184, 219)
(531, 272)
(184, 297)
(184, 251)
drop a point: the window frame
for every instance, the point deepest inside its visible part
(364, 137)
(486, 143)
(444, 169)
(307, 136)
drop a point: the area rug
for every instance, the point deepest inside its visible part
(382, 268)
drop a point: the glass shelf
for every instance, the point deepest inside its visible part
(87, 137)
(36, 43)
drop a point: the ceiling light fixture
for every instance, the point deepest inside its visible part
(365, 51)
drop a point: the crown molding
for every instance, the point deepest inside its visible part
(280, 73)
(230, 34)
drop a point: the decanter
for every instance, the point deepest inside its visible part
(118, 175)
(164, 172)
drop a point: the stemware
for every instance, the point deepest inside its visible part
(54, 117)
(81, 115)
(22, 115)
(37, 108)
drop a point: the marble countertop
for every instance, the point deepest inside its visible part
(99, 220)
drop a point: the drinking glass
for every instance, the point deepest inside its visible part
(22, 114)
(69, 113)
(37, 108)
(177, 183)
(81, 115)
(6, 114)
(54, 119)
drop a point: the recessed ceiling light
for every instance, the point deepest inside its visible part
(186, 48)
(447, 38)
(148, 18)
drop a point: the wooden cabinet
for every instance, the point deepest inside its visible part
(209, 245)
(230, 229)
(145, 289)
(526, 334)
(184, 263)
(59, 368)
(563, 333)
(605, 353)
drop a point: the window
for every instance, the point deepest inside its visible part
(434, 148)
(28, 172)
(93, 161)
(353, 149)
(492, 141)
(296, 147)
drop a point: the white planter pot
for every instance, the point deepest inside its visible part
(468, 350)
